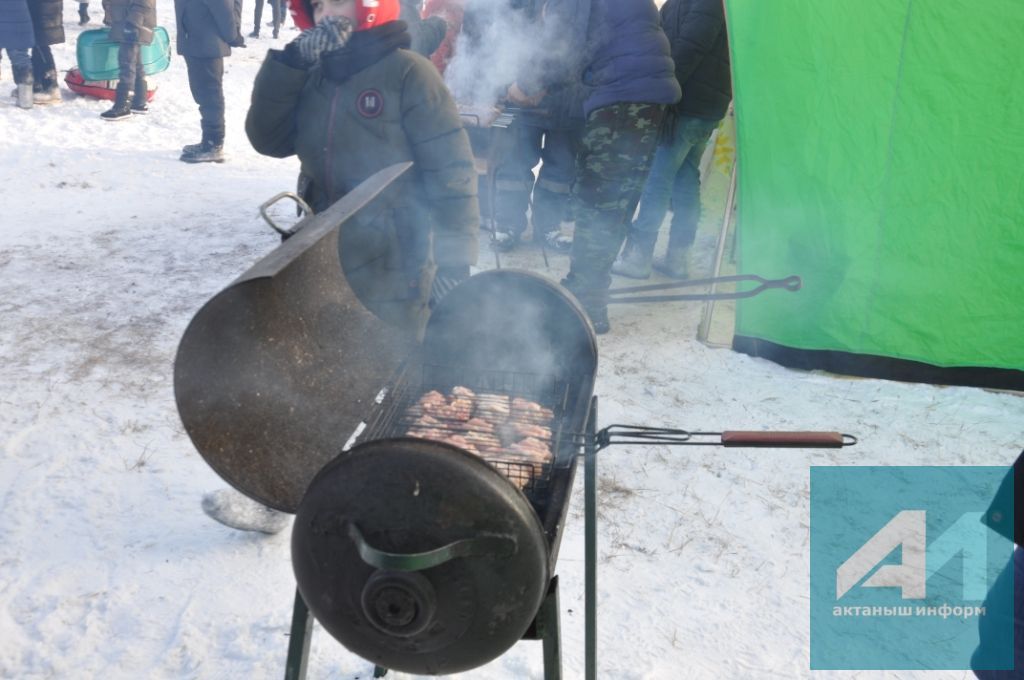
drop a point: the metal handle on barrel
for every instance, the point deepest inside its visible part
(480, 546)
(265, 207)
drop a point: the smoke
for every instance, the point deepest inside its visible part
(497, 45)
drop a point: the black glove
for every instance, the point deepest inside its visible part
(330, 34)
(446, 279)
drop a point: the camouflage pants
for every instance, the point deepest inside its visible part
(614, 158)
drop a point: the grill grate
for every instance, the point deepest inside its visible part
(504, 447)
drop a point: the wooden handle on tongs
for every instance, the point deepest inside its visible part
(781, 440)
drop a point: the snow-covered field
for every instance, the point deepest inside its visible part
(108, 568)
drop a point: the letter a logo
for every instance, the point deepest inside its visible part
(906, 530)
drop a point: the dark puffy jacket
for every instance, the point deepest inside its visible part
(130, 20)
(15, 25)
(700, 49)
(206, 28)
(365, 107)
(616, 47)
(47, 20)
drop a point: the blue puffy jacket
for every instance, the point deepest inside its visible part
(615, 47)
(15, 25)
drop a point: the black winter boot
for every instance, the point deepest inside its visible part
(140, 97)
(83, 13)
(207, 152)
(122, 108)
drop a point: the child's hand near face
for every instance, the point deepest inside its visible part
(330, 33)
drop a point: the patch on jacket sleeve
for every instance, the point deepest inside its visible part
(370, 103)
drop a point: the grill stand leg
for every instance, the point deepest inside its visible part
(548, 630)
(298, 646)
(590, 542)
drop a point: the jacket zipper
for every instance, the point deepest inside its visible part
(328, 156)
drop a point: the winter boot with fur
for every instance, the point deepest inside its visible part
(122, 108)
(206, 152)
(635, 260)
(234, 510)
(46, 91)
(83, 13)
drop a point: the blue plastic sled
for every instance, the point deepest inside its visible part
(97, 55)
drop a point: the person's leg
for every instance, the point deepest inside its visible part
(140, 89)
(83, 13)
(657, 192)
(686, 196)
(611, 168)
(21, 68)
(554, 182)
(38, 68)
(44, 72)
(257, 18)
(277, 9)
(127, 62)
(205, 80)
(638, 253)
(514, 181)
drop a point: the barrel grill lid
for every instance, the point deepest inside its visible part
(276, 371)
(418, 556)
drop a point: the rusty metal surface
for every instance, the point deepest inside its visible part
(276, 371)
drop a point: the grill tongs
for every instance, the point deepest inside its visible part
(638, 434)
(630, 294)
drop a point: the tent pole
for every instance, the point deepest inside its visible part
(705, 319)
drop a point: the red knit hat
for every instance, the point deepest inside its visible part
(369, 13)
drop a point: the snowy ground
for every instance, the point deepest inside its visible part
(108, 569)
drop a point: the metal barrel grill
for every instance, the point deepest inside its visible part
(435, 555)
(430, 480)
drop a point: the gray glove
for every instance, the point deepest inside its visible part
(329, 34)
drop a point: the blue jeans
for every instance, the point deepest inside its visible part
(21, 65)
(515, 181)
(675, 177)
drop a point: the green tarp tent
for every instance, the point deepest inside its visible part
(881, 158)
